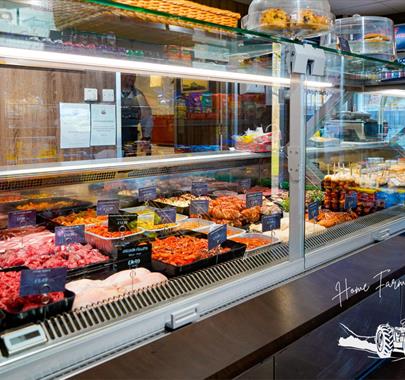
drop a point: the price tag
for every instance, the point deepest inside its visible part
(69, 235)
(42, 281)
(245, 184)
(313, 210)
(166, 215)
(271, 222)
(147, 194)
(217, 237)
(119, 223)
(18, 219)
(344, 44)
(350, 201)
(199, 207)
(108, 206)
(199, 188)
(133, 257)
(254, 199)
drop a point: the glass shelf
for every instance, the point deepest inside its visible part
(124, 33)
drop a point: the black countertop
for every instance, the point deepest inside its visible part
(236, 339)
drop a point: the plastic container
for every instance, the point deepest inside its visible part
(204, 224)
(269, 241)
(231, 231)
(372, 36)
(236, 250)
(107, 245)
(290, 18)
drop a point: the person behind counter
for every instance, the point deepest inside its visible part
(135, 112)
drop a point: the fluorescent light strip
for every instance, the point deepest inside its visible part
(115, 165)
(47, 59)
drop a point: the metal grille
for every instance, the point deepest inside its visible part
(72, 179)
(343, 230)
(62, 179)
(76, 321)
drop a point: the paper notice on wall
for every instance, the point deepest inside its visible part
(103, 125)
(74, 125)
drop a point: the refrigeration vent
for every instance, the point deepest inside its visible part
(72, 179)
(188, 168)
(353, 227)
(89, 318)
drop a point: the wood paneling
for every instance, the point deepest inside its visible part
(29, 113)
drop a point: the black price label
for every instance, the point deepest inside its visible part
(147, 194)
(254, 199)
(199, 207)
(131, 257)
(313, 211)
(271, 222)
(121, 223)
(350, 201)
(166, 215)
(108, 206)
(42, 281)
(199, 188)
(69, 235)
(217, 237)
(19, 219)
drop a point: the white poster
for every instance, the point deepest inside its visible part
(74, 125)
(103, 125)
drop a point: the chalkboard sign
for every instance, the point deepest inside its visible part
(131, 257)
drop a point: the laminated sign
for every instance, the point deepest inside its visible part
(69, 235)
(109, 206)
(271, 222)
(42, 281)
(147, 194)
(199, 207)
(166, 215)
(120, 223)
(18, 219)
(199, 188)
(217, 237)
(254, 199)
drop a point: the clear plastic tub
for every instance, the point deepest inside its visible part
(290, 18)
(368, 35)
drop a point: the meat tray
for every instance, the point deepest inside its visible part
(232, 231)
(237, 250)
(47, 217)
(107, 245)
(39, 313)
(77, 204)
(180, 210)
(271, 241)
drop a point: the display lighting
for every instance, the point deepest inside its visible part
(37, 58)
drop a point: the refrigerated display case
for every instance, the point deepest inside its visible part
(219, 125)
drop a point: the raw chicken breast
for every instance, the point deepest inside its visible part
(122, 279)
(81, 285)
(93, 295)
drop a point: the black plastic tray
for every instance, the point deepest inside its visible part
(46, 217)
(77, 204)
(39, 313)
(237, 250)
